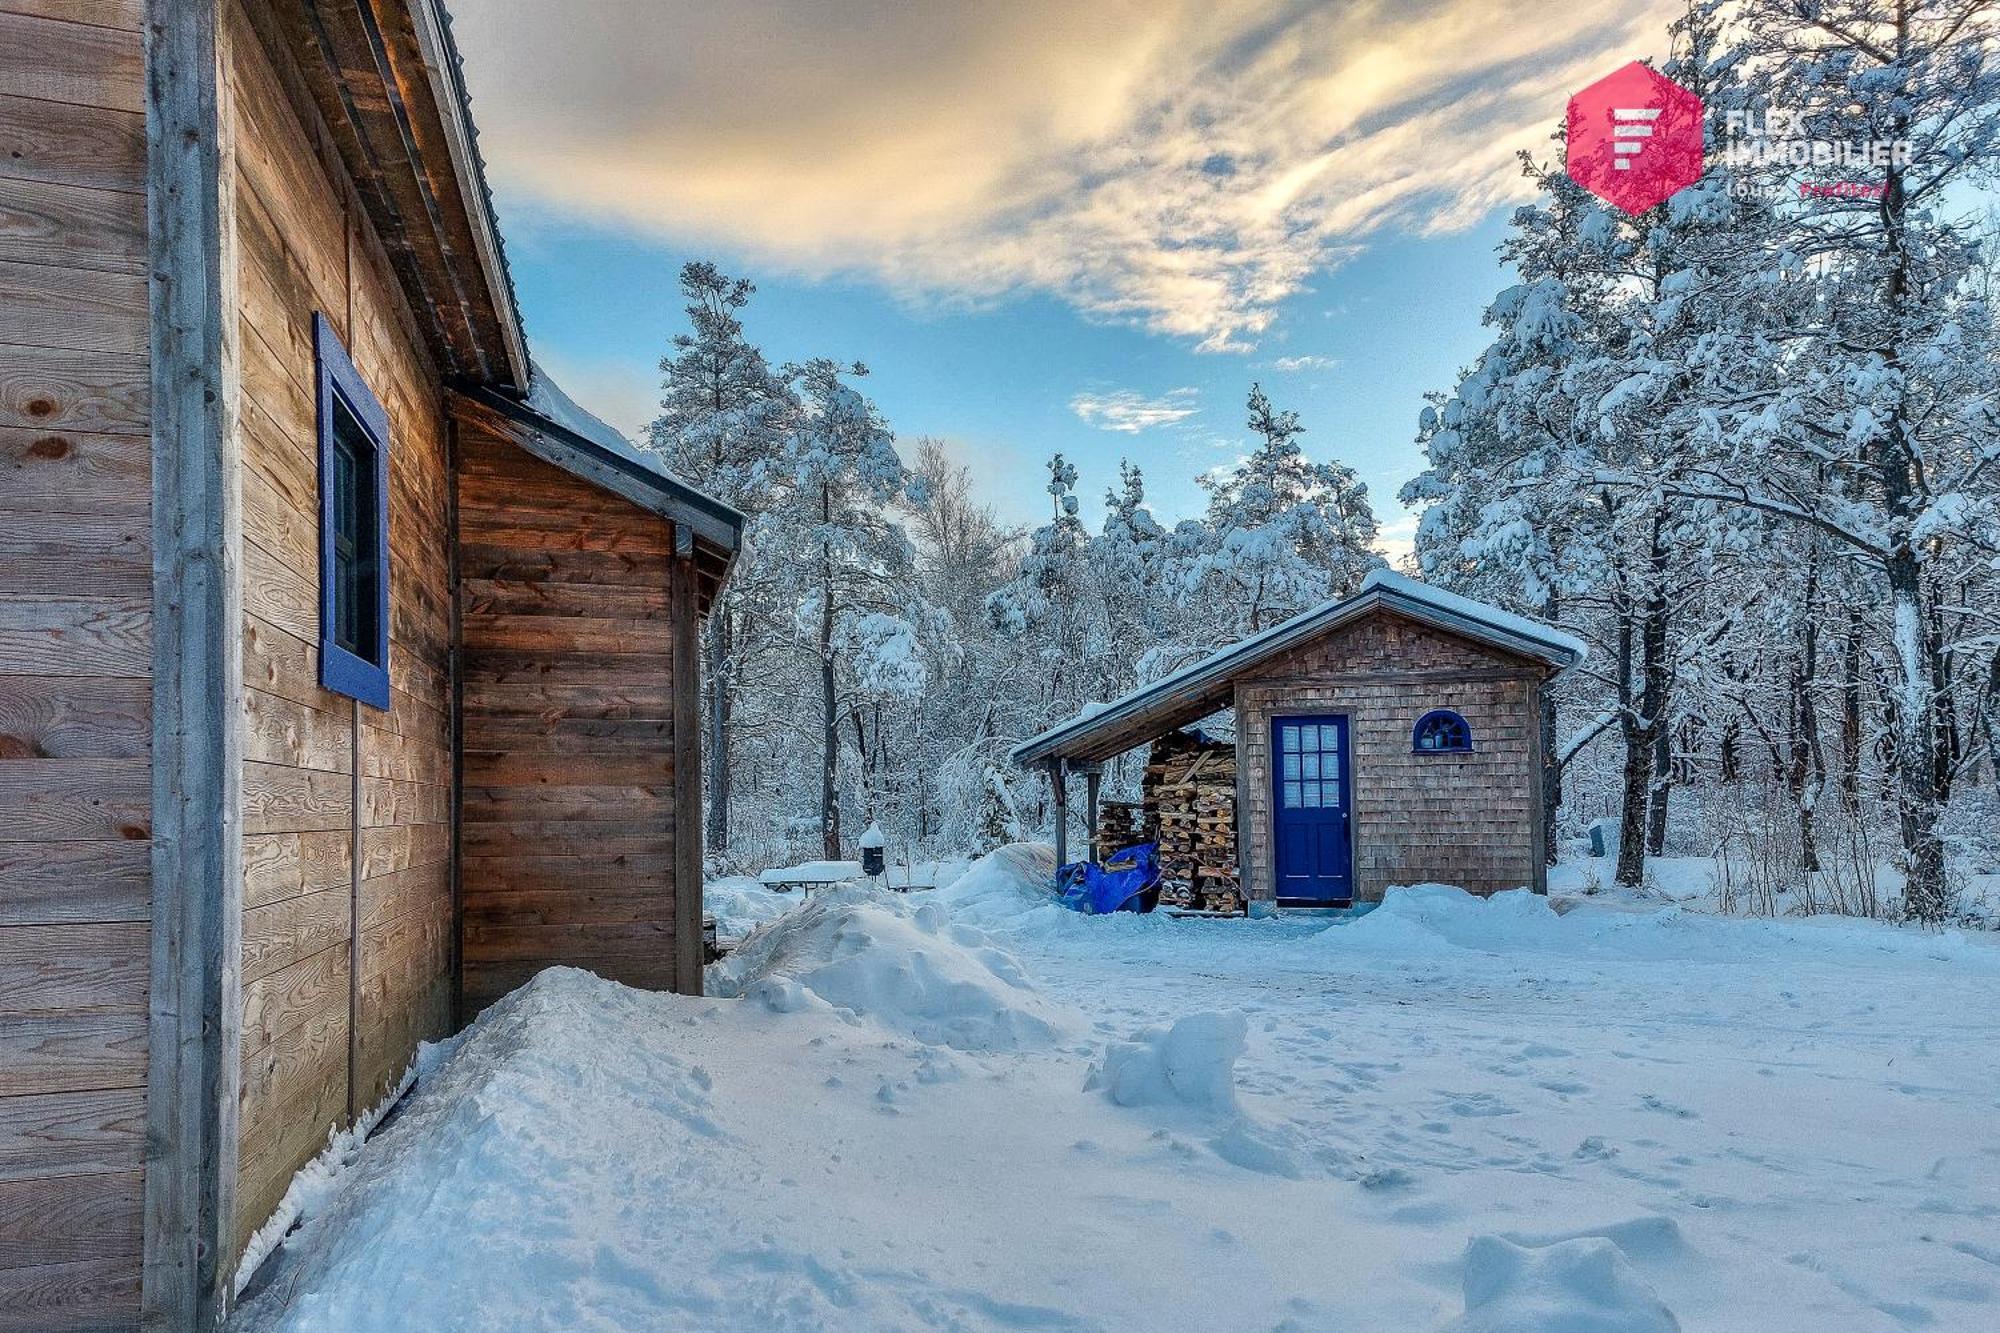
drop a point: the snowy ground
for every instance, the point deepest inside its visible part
(962, 1109)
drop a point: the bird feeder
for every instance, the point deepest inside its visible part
(873, 860)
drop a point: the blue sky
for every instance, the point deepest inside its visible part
(1038, 220)
(998, 380)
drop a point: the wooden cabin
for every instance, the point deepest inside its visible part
(347, 669)
(1392, 737)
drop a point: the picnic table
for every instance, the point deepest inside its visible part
(809, 875)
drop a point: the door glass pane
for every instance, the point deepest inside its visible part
(1291, 765)
(1332, 786)
(1311, 769)
(1292, 739)
(1312, 793)
(1329, 739)
(1291, 795)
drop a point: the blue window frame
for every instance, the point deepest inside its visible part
(1441, 731)
(353, 527)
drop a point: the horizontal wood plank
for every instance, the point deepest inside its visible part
(75, 472)
(81, 309)
(48, 882)
(69, 1219)
(56, 61)
(42, 222)
(61, 800)
(65, 144)
(75, 717)
(90, 965)
(44, 1053)
(88, 1296)
(72, 1133)
(60, 389)
(77, 636)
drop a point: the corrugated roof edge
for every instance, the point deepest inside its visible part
(432, 22)
(1475, 620)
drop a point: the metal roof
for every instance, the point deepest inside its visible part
(1199, 689)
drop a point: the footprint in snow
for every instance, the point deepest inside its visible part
(1653, 1102)
(1476, 1104)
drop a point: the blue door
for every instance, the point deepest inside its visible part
(1310, 800)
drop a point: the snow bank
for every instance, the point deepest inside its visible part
(897, 962)
(1584, 1285)
(740, 904)
(520, 1136)
(1192, 1063)
(1430, 919)
(1005, 886)
(315, 1183)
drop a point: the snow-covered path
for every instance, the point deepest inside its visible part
(1450, 1114)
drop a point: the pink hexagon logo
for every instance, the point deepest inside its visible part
(1635, 138)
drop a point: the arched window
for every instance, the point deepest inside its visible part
(1441, 731)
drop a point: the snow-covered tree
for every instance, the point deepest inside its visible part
(833, 542)
(1282, 532)
(1870, 416)
(723, 415)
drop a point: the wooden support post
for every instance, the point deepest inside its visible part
(685, 666)
(1059, 779)
(1093, 778)
(195, 1001)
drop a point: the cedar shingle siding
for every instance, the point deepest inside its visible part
(1466, 819)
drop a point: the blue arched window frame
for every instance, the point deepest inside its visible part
(1456, 733)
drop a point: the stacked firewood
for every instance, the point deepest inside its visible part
(1120, 824)
(1190, 790)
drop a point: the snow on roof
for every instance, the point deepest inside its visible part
(1484, 613)
(1191, 686)
(547, 397)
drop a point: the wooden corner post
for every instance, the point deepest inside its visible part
(195, 1004)
(1059, 779)
(1093, 780)
(685, 658)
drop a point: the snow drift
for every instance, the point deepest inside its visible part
(902, 964)
(1585, 1285)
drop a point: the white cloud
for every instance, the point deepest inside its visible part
(1183, 165)
(1292, 364)
(1128, 411)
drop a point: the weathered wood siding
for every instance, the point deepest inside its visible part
(347, 897)
(75, 661)
(1466, 819)
(569, 816)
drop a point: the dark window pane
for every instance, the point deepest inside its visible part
(356, 538)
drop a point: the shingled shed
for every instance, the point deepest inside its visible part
(1391, 737)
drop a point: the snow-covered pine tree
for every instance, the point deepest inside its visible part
(1281, 532)
(723, 414)
(842, 560)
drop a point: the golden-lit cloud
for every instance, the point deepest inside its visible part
(1183, 165)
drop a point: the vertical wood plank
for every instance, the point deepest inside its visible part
(687, 767)
(195, 1006)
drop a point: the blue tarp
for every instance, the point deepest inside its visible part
(1114, 886)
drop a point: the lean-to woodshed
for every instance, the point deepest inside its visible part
(1391, 737)
(347, 670)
